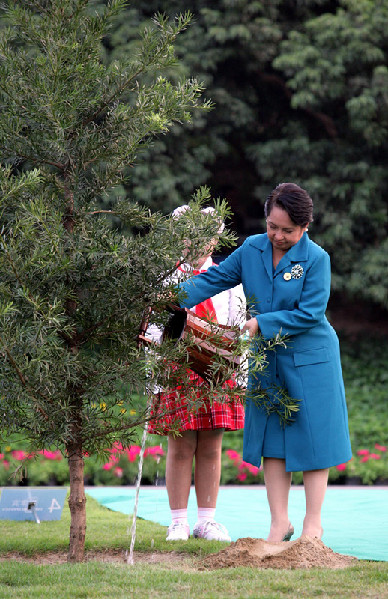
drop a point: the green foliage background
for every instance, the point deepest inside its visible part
(300, 92)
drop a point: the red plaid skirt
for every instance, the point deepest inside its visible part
(170, 411)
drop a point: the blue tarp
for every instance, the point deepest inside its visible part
(355, 520)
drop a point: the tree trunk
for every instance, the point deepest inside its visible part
(77, 504)
(77, 499)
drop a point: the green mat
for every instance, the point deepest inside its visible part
(355, 520)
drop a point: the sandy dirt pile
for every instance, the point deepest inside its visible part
(305, 552)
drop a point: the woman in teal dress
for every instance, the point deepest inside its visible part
(287, 278)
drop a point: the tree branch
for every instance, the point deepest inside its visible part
(101, 212)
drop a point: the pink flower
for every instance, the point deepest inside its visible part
(241, 476)
(18, 454)
(116, 448)
(155, 451)
(233, 455)
(375, 456)
(365, 458)
(51, 455)
(380, 447)
(247, 466)
(113, 460)
(363, 452)
(6, 464)
(341, 466)
(1, 456)
(118, 472)
(133, 452)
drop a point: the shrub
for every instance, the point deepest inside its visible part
(50, 468)
(369, 466)
(235, 471)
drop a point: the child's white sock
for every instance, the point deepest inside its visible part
(179, 516)
(206, 513)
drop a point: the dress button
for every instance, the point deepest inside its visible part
(268, 300)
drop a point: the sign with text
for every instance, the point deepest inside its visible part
(32, 504)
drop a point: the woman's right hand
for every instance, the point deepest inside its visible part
(252, 326)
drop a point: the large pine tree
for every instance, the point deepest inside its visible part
(76, 280)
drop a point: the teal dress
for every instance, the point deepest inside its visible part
(291, 299)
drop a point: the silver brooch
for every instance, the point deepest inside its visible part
(296, 271)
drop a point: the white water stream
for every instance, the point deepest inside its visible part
(130, 559)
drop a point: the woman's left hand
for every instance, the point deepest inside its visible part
(252, 326)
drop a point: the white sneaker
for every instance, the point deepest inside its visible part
(211, 530)
(178, 531)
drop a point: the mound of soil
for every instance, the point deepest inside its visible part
(256, 553)
(305, 552)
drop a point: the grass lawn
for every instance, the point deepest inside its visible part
(178, 575)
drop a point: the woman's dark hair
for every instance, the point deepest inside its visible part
(294, 200)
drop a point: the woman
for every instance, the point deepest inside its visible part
(200, 432)
(288, 278)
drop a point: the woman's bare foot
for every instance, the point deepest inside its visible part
(280, 533)
(312, 532)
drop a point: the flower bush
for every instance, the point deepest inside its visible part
(123, 464)
(235, 471)
(367, 466)
(50, 467)
(41, 468)
(120, 467)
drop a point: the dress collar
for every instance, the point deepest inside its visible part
(297, 253)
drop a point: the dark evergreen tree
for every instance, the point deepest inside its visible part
(299, 90)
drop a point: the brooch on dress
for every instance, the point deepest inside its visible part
(296, 273)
